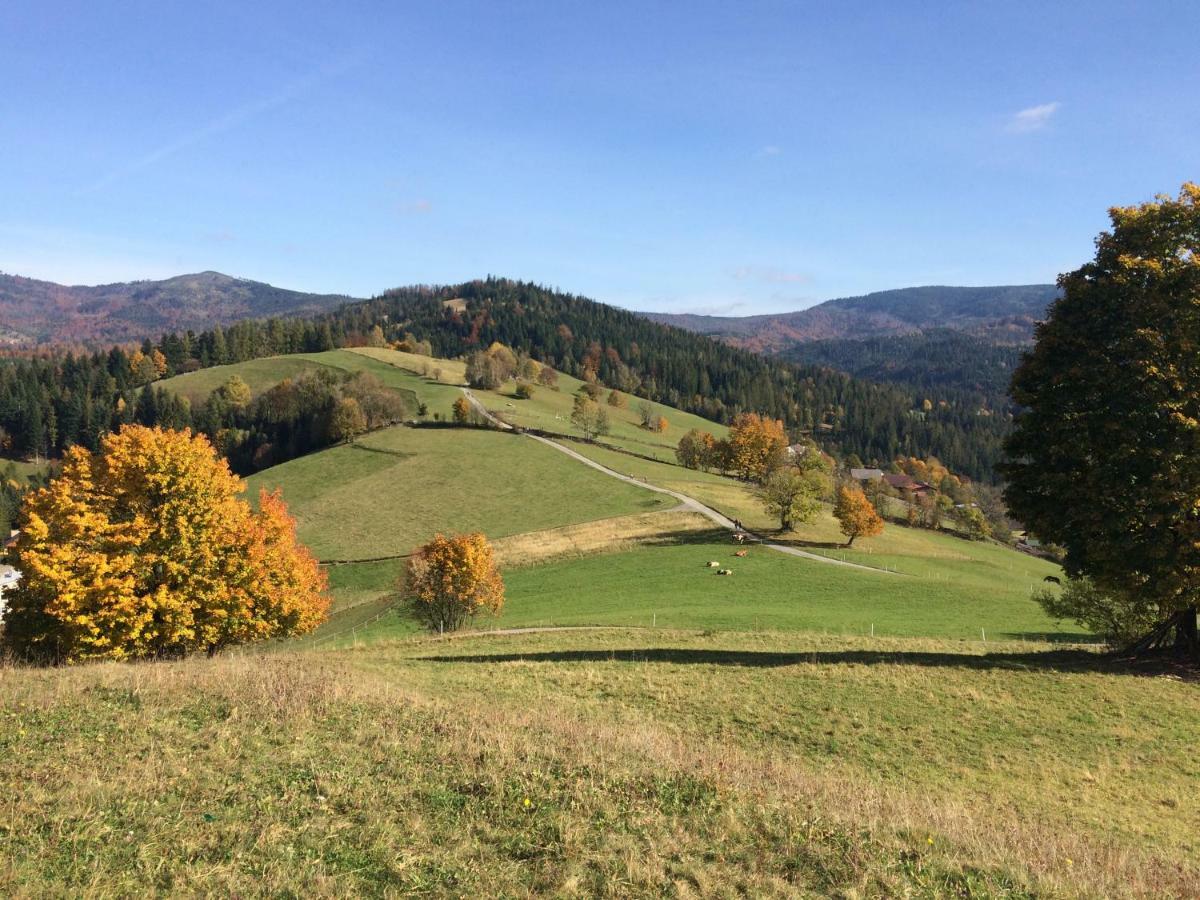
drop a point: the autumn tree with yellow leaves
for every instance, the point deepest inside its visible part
(453, 579)
(145, 549)
(855, 514)
(756, 445)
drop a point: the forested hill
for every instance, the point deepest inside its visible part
(999, 315)
(848, 414)
(49, 404)
(938, 360)
(33, 311)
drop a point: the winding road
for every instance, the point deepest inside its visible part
(685, 501)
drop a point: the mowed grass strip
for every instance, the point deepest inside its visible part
(393, 489)
(437, 382)
(624, 764)
(672, 586)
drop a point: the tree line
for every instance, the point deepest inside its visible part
(50, 404)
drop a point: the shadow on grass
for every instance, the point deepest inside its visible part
(400, 454)
(1047, 660)
(1053, 637)
(783, 538)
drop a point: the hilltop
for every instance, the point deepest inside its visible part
(33, 311)
(1000, 315)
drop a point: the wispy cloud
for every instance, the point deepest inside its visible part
(768, 150)
(231, 119)
(1034, 118)
(417, 207)
(769, 275)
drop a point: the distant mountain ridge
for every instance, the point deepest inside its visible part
(1004, 314)
(38, 312)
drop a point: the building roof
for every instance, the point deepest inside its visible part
(866, 474)
(904, 482)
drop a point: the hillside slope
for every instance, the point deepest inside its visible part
(585, 338)
(33, 311)
(1001, 315)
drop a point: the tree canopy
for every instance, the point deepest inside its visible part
(856, 515)
(793, 492)
(145, 549)
(452, 579)
(1105, 457)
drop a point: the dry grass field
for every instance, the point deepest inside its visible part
(616, 763)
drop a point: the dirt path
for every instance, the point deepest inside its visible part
(685, 501)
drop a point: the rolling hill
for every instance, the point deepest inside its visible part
(1000, 315)
(801, 728)
(33, 311)
(366, 505)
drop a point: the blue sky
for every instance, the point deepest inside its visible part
(724, 157)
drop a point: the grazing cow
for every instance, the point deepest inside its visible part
(739, 538)
(725, 571)
(1052, 579)
(741, 553)
(713, 564)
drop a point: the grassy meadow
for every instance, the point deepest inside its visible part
(550, 410)
(795, 729)
(389, 491)
(672, 587)
(622, 763)
(259, 374)
(392, 489)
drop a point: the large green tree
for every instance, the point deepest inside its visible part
(1105, 457)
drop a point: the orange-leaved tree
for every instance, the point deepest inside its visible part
(145, 549)
(756, 444)
(855, 514)
(462, 411)
(453, 579)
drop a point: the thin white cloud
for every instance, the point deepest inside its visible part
(769, 275)
(223, 123)
(1034, 118)
(769, 150)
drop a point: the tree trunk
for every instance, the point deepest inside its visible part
(1187, 640)
(851, 541)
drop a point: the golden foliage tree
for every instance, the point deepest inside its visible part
(855, 514)
(452, 579)
(755, 445)
(145, 549)
(462, 410)
(159, 362)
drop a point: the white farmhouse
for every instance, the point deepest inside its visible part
(8, 579)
